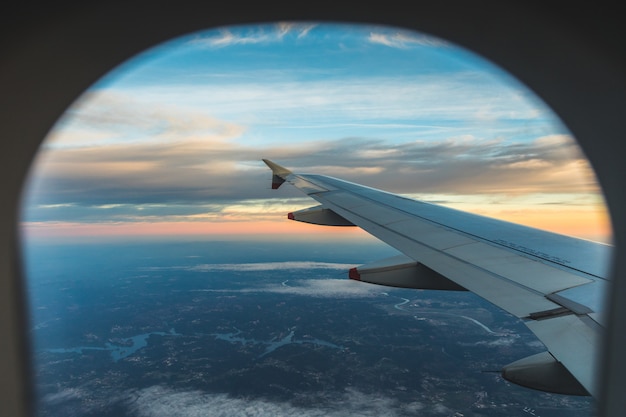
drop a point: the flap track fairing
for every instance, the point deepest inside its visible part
(319, 215)
(543, 372)
(403, 272)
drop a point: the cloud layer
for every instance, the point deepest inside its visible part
(204, 177)
(179, 134)
(270, 266)
(158, 401)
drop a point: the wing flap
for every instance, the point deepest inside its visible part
(403, 272)
(319, 215)
(530, 273)
(574, 342)
(435, 235)
(362, 207)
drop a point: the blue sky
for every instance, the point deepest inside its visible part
(175, 136)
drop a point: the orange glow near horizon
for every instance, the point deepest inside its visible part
(243, 229)
(590, 225)
(586, 224)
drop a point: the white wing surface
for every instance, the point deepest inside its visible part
(556, 284)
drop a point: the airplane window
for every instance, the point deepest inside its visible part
(164, 277)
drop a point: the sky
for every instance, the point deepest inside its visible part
(169, 144)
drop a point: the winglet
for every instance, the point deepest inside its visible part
(279, 173)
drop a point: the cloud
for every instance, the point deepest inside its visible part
(109, 117)
(159, 401)
(405, 40)
(270, 266)
(326, 288)
(301, 29)
(455, 166)
(172, 153)
(194, 180)
(282, 96)
(510, 340)
(252, 35)
(64, 395)
(320, 288)
(228, 38)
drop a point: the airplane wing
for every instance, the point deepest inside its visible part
(556, 284)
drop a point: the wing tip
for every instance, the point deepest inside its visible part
(279, 173)
(278, 170)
